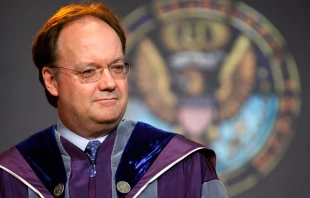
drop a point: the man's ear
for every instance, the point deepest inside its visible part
(50, 81)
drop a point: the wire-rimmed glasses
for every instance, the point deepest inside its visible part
(119, 69)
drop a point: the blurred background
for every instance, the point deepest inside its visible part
(231, 75)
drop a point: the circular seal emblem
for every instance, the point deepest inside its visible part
(219, 73)
(59, 189)
(123, 187)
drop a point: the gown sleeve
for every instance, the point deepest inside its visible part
(193, 177)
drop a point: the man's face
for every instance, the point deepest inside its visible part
(90, 41)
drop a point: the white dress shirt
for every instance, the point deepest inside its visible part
(75, 139)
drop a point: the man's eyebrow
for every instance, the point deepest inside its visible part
(122, 58)
(86, 64)
(92, 64)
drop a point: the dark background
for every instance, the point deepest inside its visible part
(24, 109)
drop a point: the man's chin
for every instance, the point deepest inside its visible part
(108, 116)
(107, 120)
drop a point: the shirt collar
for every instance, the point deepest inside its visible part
(75, 139)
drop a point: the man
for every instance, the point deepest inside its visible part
(93, 151)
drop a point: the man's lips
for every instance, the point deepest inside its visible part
(106, 99)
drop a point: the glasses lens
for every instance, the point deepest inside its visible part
(91, 75)
(117, 70)
(120, 69)
(127, 68)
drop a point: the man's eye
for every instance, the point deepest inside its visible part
(118, 68)
(88, 72)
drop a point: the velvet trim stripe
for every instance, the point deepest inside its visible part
(146, 142)
(43, 156)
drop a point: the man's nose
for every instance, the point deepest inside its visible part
(106, 81)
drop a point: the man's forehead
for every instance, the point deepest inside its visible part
(82, 28)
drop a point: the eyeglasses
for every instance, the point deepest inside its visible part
(119, 69)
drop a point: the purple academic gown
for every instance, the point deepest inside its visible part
(153, 163)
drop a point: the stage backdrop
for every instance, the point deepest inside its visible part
(231, 75)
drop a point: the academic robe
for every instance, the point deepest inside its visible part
(151, 162)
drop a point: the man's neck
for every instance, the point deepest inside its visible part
(75, 138)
